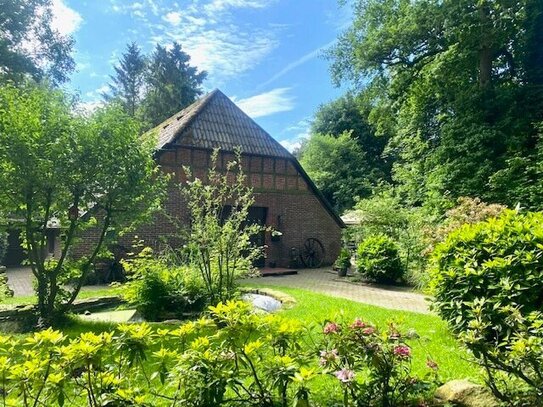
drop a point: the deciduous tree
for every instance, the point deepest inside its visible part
(57, 165)
(29, 45)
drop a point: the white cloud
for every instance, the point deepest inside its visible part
(219, 5)
(268, 103)
(65, 20)
(173, 17)
(87, 108)
(302, 60)
(291, 145)
(216, 41)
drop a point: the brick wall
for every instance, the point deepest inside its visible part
(293, 209)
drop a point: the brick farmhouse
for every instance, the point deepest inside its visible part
(285, 197)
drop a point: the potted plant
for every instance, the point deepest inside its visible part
(343, 262)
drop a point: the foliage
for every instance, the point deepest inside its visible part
(339, 167)
(343, 261)
(30, 46)
(348, 114)
(487, 283)
(384, 213)
(171, 84)
(160, 290)
(379, 259)
(128, 82)
(467, 211)
(458, 85)
(231, 357)
(219, 239)
(373, 366)
(56, 165)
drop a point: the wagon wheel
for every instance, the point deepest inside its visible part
(312, 253)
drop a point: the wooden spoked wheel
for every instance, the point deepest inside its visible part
(312, 253)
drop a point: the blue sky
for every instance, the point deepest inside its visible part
(264, 54)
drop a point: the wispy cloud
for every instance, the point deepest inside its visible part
(208, 31)
(65, 20)
(300, 61)
(268, 103)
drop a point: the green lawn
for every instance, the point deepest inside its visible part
(436, 342)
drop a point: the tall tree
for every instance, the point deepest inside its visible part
(350, 113)
(455, 80)
(340, 168)
(127, 84)
(29, 46)
(172, 83)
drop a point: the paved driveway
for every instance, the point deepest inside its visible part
(326, 282)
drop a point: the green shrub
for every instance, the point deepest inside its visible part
(379, 260)
(161, 291)
(488, 283)
(385, 213)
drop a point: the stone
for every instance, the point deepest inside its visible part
(463, 393)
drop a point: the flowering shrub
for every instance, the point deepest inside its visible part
(373, 366)
(488, 284)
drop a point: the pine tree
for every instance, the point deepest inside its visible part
(128, 81)
(172, 84)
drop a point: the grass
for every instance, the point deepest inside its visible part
(435, 342)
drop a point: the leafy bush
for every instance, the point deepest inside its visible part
(160, 291)
(379, 260)
(373, 366)
(488, 284)
(384, 213)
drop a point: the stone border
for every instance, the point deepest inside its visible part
(286, 300)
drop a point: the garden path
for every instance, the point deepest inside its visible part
(321, 280)
(324, 280)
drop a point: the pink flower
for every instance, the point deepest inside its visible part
(431, 364)
(368, 331)
(402, 351)
(328, 356)
(358, 324)
(345, 375)
(331, 328)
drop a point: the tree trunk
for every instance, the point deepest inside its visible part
(486, 51)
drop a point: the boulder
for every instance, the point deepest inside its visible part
(463, 393)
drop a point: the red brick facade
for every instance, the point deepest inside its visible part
(293, 207)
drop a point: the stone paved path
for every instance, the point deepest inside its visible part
(20, 281)
(318, 280)
(324, 281)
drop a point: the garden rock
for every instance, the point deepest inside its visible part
(463, 393)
